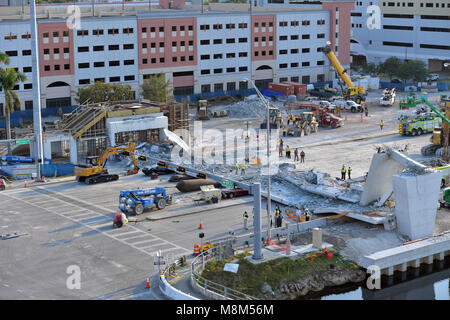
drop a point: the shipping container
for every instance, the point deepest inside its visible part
(285, 89)
(299, 88)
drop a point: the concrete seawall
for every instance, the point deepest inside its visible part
(411, 255)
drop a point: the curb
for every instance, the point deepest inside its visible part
(199, 211)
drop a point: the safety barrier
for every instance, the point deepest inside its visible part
(17, 117)
(168, 290)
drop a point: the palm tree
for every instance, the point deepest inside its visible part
(9, 78)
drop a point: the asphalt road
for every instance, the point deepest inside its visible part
(71, 225)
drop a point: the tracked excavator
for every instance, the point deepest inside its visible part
(96, 172)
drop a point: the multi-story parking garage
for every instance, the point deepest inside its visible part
(200, 51)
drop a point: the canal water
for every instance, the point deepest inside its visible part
(427, 286)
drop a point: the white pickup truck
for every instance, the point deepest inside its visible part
(349, 105)
(388, 97)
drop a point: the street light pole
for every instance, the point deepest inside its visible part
(269, 202)
(37, 125)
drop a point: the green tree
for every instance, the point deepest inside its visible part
(370, 68)
(156, 88)
(415, 70)
(403, 72)
(418, 70)
(103, 92)
(390, 67)
(9, 78)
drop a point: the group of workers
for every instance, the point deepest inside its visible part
(278, 221)
(288, 152)
(346, 171)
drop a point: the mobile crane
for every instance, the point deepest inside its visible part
(96, 172)
(355, 93)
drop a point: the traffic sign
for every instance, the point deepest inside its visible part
(23, 141)
(159, 262)
(227, 184)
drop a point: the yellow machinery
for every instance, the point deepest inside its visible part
(441, 136)
(203, 112)
(96, 172)
(355, 93)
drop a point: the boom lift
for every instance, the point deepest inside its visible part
(96, 172)
(355, 93)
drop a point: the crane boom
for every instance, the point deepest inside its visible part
(356, 93)
(436, 110)
(339, 68)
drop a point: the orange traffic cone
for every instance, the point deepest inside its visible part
(25, 185)
(201, 226)
(147, 285)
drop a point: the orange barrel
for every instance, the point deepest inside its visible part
(196, 249)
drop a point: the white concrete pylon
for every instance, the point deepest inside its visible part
(288, 245)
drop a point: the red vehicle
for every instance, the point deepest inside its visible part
(329, 119)
(231, 193)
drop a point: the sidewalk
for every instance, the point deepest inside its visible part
(17, 184)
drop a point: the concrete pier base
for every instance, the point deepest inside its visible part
(317, 238)
(416, 202)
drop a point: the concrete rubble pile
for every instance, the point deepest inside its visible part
(250, 107)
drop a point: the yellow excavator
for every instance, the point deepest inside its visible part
(96, 171)
(352, 92)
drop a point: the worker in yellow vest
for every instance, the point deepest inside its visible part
(288, 152)
(343, 172)
(242, 169)
(245, 216)
(237, 168)
(381, 125)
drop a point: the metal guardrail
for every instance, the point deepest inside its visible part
(198, 265)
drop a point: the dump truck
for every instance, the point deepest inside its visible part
(136, 201)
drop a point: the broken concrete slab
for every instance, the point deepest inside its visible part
(379, 178)
(384, 197)
(353, 215)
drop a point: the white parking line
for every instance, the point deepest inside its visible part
(91, 226)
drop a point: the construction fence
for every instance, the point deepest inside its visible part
(18, 117)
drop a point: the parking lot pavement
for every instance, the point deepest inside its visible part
(64, 231)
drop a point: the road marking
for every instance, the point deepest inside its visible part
(81, 219)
